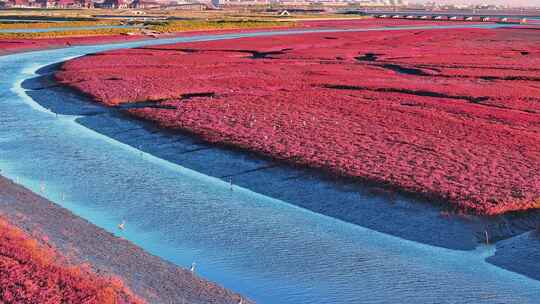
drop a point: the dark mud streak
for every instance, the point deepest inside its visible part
(194, 95)
(196, 150)
(508, 108)
(407, 104)
(96, 113)
(266, 167)
(487, 78)
(404, 70)
(260, 54)
(254, 53)
(370, 57)
(420, 93)
(97, 54)
(154, 104)
(509, 78)
(373, 58)
(453, 66)
(480, 101)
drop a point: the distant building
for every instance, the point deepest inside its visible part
(115, 4)
(245, 2)
(144, 4)
(17, 4)
(45, 3)
(86, 3)
(189, 6)
(64, 3)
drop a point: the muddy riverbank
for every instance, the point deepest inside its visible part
(154, 279)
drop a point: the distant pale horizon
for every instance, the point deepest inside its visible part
(496, 2)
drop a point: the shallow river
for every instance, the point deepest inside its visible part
(269, 250)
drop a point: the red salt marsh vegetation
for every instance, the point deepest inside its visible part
(13, 45)
(33, 272)
(447, 114)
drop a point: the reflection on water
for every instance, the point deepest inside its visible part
(264, 248)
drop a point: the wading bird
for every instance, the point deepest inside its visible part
(122, 225)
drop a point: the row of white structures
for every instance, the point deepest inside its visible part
(454, 18)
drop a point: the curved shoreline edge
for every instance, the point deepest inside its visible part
(385, 212)
(519, 254)
(404, 216)
(148, 276)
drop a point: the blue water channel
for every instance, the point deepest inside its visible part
(267, 249)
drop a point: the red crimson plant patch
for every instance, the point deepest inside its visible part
(31, 272)
(13, 45)
(447, 114)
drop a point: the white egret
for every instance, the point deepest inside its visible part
(122, 225)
